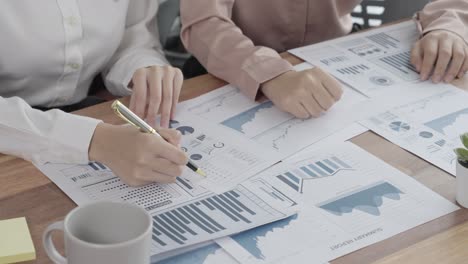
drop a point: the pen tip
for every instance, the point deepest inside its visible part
(202, 173)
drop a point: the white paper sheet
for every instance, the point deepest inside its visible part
(267, 125)
(185, 220)
(429, 127)
(371, 62)
(351, 199)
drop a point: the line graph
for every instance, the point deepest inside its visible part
(367, 199)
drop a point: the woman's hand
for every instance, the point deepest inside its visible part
(138, 158)
(304, 94)
(441, 53)
(156, 88)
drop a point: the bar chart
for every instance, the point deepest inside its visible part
(400, 65)
(385, 40)
(97, 166)
(210, 218)
(314, 170)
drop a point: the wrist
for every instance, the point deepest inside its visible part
(98, 142)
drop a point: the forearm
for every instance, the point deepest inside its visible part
(41, 137)
(209, 34)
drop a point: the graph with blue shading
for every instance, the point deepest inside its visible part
(249, 239)
(210, 217)
(367, 200)
(314, 170)
(237, 122)
(442, 123)
(198, 256)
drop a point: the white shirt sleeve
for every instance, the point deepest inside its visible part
(40, 137)
(140, 47)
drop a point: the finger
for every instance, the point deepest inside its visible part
(464, 68)
(429, 58)
(155, 93)
(294, 106)
(178, 82)
(323, 97)
(311, 105)
(170, 135)
(416, 55)
(298, 111)
(149, 175)
(166, 167)
(170, 152)
(331, 84)
(133, 179)
(167, 92)
(444, 55)
(456, 65)
(139, 92)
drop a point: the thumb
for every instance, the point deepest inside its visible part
(170, 135)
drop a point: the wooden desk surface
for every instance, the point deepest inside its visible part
(24, 191)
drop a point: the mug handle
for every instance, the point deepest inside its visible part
(49, 247)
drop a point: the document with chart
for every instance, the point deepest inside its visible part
(350, 199)
(227, 159)
(429, 127)
(371, 62)
(267, 125)
(182, 218)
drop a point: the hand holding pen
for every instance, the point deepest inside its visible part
(131, 118)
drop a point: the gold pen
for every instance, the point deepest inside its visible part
(123, 112)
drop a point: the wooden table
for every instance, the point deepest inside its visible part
(24, 191)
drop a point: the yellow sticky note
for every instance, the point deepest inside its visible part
(15, 241)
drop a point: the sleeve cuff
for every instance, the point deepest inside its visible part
(121, 73)
(69, 139)
(260, 72)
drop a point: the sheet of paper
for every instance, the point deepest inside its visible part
(250, 204)
(226, 157)
(267, 125)
(210, 254)
(350, 199)
(181, 219)
(429, 127)
(16, 244)
(371, 62)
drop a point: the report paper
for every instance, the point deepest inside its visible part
(267, 125)
(371, 62)
(429, 127)
(181, 218)
(214, 253)
(350, 199)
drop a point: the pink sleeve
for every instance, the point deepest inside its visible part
(212, 37)
(451, 15)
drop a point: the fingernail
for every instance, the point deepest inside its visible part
(424, 77)
(436, 79)
(449, 78)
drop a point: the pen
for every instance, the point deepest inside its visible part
(123, 112)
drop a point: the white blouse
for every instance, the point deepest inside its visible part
(50, 51)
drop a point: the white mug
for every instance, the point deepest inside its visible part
(103, 232)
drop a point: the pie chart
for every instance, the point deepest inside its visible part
(173, 123)
(186, 130)
(196, 157)
(399, 126)
(426, 134)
